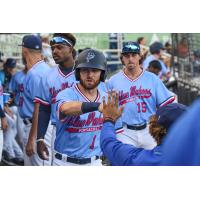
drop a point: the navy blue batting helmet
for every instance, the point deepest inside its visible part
(91, 58)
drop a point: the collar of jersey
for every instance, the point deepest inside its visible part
(132, 80)
(96, 100)
(65, 76)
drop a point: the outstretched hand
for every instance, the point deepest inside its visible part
(111, 111)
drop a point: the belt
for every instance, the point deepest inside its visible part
(136, 127)
(79, 161)
(27, 121)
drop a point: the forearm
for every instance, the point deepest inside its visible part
(71, 108)
(117, 153)
(43, 121)
(78, 108)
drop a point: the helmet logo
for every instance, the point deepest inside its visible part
(90, 56)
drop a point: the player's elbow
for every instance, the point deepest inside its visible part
(68, 108)
(65, 109)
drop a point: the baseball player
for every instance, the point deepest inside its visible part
(3, 121)
(12, 151)
(156, 50)
(124, 154)
(16, 88)
(36, 69)
(78, 118)
(141, 92)
(57, 79)
(154, 67)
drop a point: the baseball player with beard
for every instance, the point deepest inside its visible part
(79, 121)
(59, 78)
(141, 92)
(36, 69)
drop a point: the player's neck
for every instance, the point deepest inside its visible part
(91, 94)
(66, 70)
(67, 64)
(133, 73)
(31, 61)
(156, 56)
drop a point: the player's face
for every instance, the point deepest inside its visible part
(61, 53)
(11, 71)
(89, 78)
(131, 60)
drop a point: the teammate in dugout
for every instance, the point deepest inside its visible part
(57, 79)
(120, 154)
(36, 69)
(79, 118)
(142, 93)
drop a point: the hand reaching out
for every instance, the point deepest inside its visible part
(110, 109)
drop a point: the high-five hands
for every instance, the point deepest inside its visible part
(111, 110)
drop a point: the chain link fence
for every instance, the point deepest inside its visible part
(186, 65)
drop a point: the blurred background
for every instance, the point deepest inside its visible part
(181, 55)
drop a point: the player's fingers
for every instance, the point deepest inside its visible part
(45, 154)
(117, 100)
(29, 152)
(104, 102)
(113, 97)
(109, 97)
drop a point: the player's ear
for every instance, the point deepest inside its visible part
(121, 58)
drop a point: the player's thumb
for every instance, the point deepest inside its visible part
(45, 154)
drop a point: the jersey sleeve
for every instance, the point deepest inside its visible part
(33, 85)
(163, 95)
(64, 96)
(43, 94)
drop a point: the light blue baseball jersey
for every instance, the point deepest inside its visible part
(31, 88)
(78, 136)
(16, 85)
(54, 82)
(1, 96)
(150, 58)
(141, 96)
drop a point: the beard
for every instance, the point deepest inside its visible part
(89, 86)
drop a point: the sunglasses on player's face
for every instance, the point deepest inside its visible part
(60, 40)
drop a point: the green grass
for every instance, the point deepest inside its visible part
(101, 40)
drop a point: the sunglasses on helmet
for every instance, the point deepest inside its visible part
(60, 40)
(131, 47)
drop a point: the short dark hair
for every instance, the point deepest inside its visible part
(68, 36)
(155, 64)
(140, 39)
